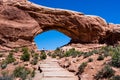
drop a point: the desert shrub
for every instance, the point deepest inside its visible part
(54, 55)
(106, 50)
(15, 63)
(32, 51)
(100, 57)
(21, 72)
(90, 60)
(116, 58)
(25, 50)
(34, 61)
(106, 72)
(90, 53)
(10, 58)
(9, 77)
(58, 53)
(36, 55)
(25, 56)
(72, 52)
(43, 55)
(117, 77)
(3, 64)
(95, 51)
(5, 76)
(16, 50)
(87, 54)
(1, 55)
(33, 73)
(49, 54)
(82, 67)
(106, 54)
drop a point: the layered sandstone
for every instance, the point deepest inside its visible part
(21, 21)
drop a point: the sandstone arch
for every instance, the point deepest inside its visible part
(21, 21)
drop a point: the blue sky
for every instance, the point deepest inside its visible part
(107, 9)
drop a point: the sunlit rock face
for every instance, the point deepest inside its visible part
(21, 21)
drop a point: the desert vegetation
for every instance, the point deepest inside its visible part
(105, 62)
(20, 63)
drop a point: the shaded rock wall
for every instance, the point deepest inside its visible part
(21, 21)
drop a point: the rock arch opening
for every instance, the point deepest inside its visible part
(51, 39)
(20, 30)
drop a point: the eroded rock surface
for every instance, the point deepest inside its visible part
(21, 21)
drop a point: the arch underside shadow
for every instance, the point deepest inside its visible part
(63, 30)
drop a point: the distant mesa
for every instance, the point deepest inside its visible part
(21, 21)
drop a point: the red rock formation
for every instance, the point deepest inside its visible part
(21, 21)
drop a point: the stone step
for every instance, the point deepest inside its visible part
(52, 71)
(58, 79)
(58, 74)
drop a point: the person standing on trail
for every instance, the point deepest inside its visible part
(78, 74)
(39, 69)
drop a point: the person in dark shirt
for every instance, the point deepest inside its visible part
(39, 69)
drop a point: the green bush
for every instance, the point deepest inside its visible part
(117, 77)
(100, 57)
(33, 73)
(3, 64)
(72, 52)
(106, 72)
(10, 58)
(116, 58)
(58, 53)
(25, 50)
(16, 50)
(36, 55)
(43, 55)
(15, 63)
(49, 54)
(95, 51)
(34, 61)
(106, 54)
(5, 76)
(1, 55)
(82, 67)
(87, 54)
(32, 51)
(90, 60)
(54, 55)
(21, 72)
(25, 56)
(9, 77)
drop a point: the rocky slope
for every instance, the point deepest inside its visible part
(21, 21)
